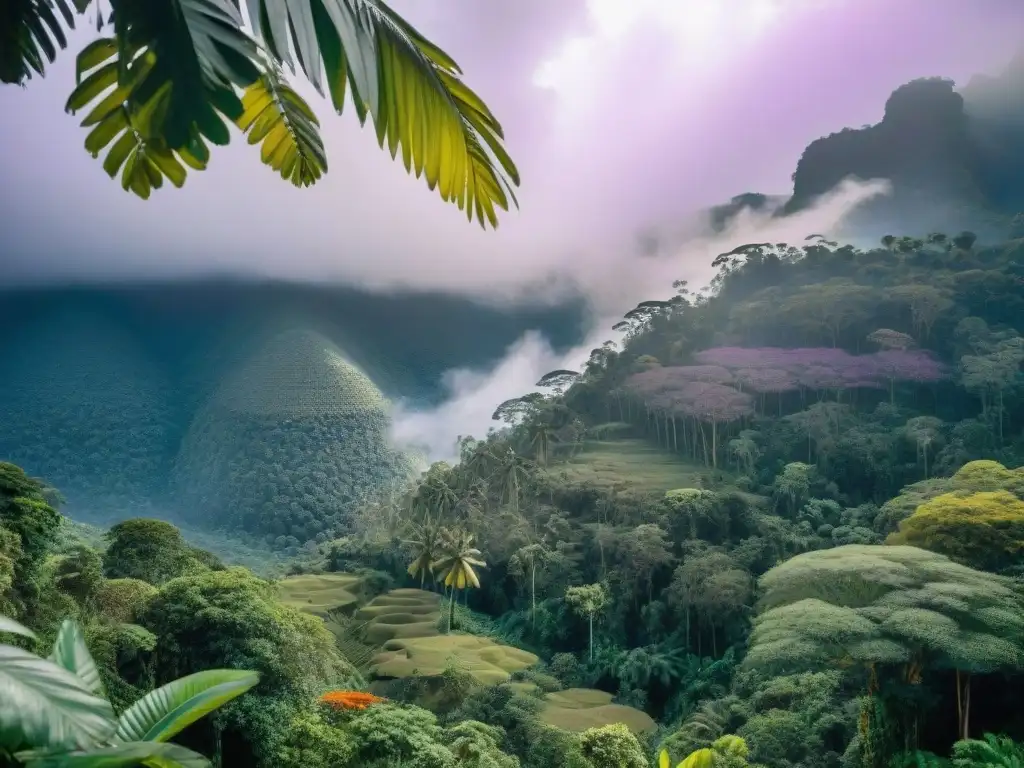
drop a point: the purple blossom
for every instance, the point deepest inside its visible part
(821, 367)
(715, 374)
(907, 365)
(714, 402)
(764, 380)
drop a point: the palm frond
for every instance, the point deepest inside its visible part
(279, 118)
(201, 52)
(31, 34)
(130, 128)
(408, 86)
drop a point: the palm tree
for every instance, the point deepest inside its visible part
(542, 435)
(425, 543)
(512, 472)
(435, 494)
(53, 710)
(171, 75)
(456, 565)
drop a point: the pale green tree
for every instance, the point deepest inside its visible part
(587, 601)
(893, 607)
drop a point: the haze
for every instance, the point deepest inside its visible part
(620, 114)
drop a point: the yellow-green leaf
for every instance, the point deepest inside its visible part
(162, 714)
(289, 131)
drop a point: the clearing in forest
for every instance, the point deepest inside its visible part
(630, 464)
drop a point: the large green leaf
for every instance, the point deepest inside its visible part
(30, 36)
(277, 116)
(148, 753)
(410, 88)
(165, 712)
(44, 705)
(10, 625)
(128, 126)
(71, 653)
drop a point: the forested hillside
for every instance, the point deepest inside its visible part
(147, 398)
(781, 524)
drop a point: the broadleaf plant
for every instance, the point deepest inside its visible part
(51, 714)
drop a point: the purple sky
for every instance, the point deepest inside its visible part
(620, 113)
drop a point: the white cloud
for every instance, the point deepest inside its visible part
(697, 36)
(615, 283)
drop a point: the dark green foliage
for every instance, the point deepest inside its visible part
(28, 528)
(232, 619)
(287, 445)
(79, 573)
(148, 550)
(101, 402)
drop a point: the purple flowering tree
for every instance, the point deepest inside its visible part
(708, 402)
(825, 368)
(914, 365)
(694, 394)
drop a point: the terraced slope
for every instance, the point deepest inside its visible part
(487, 661)
(401, 613)
(322, 594)
(287, 444)
(577, 709)
(404, 625)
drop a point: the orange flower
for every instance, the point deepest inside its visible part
(349, 699)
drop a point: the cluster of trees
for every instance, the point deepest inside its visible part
(85, 387)
(835, 582)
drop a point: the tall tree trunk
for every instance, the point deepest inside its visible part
(714, 443)
(533, 595)
(451, 609)
(591, 636)
(963, 705)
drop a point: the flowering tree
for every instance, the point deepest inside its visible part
(767, 369)
(905, 365)
(714, 403)
(692, 392)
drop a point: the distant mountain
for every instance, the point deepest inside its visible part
(232, 404)
(955, 160)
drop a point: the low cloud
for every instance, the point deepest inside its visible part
(614, 280)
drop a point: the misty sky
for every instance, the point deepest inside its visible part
(620, 113)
